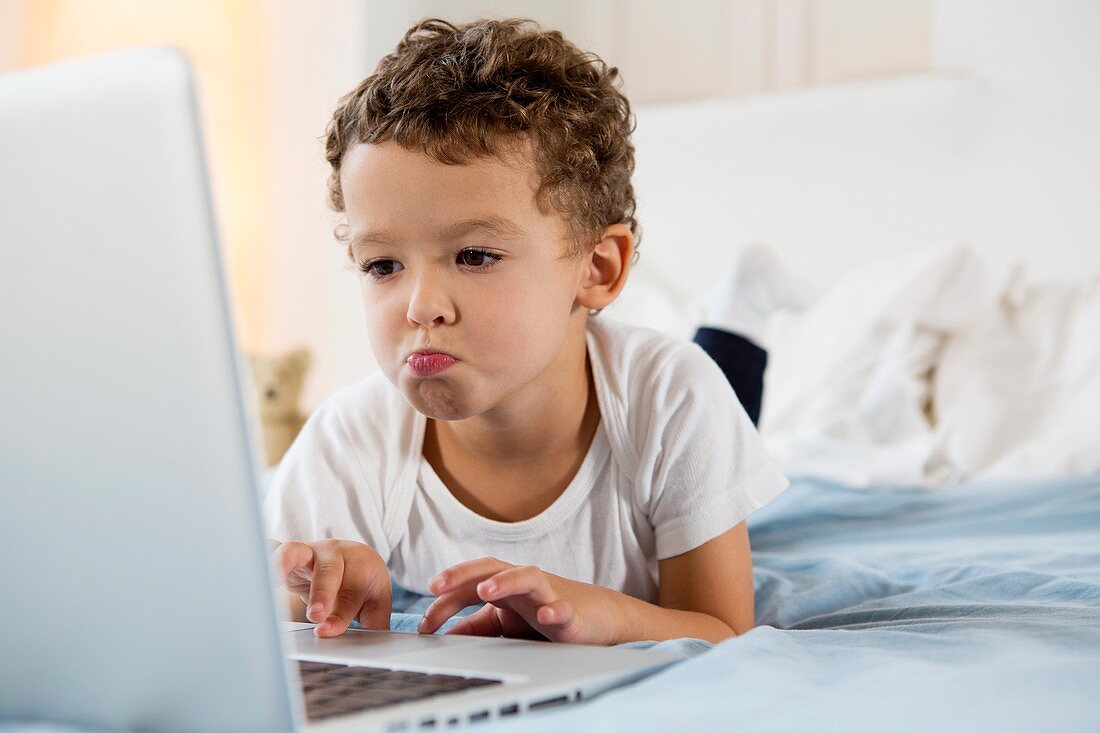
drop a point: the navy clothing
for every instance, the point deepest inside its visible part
(743, 363)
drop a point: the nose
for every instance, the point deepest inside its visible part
(429, 303)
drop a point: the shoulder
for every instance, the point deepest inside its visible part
(351, 470)
(631, 344)
(649, 369)
(654, 388)
(367, 425)
(370, 407)
(699, 465)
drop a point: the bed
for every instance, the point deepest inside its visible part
(974, 608)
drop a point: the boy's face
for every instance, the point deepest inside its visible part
(432, 285)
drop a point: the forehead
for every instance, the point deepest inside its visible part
(391, 192)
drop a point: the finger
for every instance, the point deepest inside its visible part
(351, 597)
(559, 621)
(375, 610)
(445, 606)
(526, 581)
(516, 625)
(457, 589)
(482, 622)
(558, 614)
(529, 582)
(466, 572)
(328, 574)
(292, 556)
(496, 621)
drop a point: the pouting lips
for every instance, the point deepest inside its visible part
(427, 364)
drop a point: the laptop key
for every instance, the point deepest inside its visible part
(338, 689)
(441, 678)
(478, 682)
(321, 697)
(348, 703)
(365, 673)
(371, 696)
(341, 704)
(318, 676)
(440, 681)
(397, 675)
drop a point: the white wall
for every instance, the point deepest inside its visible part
(1034, 191)
(316, 54)
(707, 48)
(11, 20)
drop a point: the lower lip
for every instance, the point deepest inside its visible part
(428, 364)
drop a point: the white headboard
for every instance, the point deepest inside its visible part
(831, 177)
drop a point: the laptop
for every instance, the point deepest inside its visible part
(138, 589)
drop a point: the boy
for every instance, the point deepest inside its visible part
(587, 481)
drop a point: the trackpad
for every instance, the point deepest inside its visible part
(361, 645)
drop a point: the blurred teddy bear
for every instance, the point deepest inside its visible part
(278, 384)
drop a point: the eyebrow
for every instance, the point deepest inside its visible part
(492, 223)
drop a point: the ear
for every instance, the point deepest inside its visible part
(606, 267)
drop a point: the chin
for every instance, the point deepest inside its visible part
(439, 399)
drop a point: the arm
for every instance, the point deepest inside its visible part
(706, 593)
(711, 470)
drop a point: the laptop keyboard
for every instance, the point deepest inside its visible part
(338, 689)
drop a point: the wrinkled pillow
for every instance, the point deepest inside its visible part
(848, 389)
(1016, 395)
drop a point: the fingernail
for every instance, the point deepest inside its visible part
(435, 581)
(489, 588)
(315, 610)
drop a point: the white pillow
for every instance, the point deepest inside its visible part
(848, 384)
(1017, 394)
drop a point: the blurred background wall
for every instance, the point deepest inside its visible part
(269, 74)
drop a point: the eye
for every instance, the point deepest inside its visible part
(379, 269)
(478, 259)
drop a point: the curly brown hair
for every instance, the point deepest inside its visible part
(459, 92)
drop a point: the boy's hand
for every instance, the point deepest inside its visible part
(339, 581)
(524, 602)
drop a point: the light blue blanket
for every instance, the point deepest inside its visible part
(971, 607)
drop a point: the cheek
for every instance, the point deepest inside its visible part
(509, 323)
(523, 323)
(384, 324)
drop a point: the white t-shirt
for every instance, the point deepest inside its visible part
(675, 462)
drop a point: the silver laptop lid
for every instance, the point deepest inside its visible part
(130, 528)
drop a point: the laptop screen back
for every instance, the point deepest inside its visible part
(135, 580)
